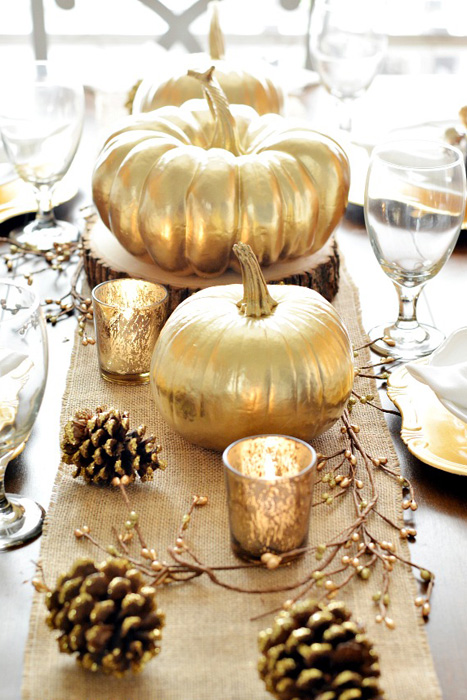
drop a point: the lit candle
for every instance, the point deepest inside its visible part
(128, 317)
(269, 482)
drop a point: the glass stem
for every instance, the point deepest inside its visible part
(408, 298)
(45, 217)
(344, 106)
(6, 508)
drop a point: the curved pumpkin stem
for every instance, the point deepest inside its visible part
(256, 302)
(225, 135)
(216, 38)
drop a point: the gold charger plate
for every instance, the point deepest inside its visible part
(429, 430)
(17, 197)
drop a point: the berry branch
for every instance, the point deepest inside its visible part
(355, 552)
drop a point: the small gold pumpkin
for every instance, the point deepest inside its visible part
(256, 86)
(237, 360)
(185, 183)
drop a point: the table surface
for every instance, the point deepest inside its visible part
(441, 519)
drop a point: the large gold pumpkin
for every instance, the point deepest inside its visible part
(184, 186)
(237, 360)
(256, 86)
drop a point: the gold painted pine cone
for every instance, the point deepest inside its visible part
(107, 615)
(315, 651)
(100, 446)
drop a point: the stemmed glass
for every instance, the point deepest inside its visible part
(23, 373)
(415, 199)
(41, 118)
(347, 49)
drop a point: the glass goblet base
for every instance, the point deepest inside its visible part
(27, 525)
(408, 344)
(41, 237)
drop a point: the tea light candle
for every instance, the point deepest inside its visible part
(128, 317)
(269, 481)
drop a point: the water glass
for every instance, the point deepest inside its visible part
(415, 199)
(23, 373)
(41, 118)
(347, 49)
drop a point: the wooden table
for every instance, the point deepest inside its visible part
(441, 519)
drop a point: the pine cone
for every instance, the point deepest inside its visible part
(101, 447)
(107, 615)
(316, 652)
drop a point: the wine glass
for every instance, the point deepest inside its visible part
(415, 199)
(41, 119)
(347, 49)
(23, 373)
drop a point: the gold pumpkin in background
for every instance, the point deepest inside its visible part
(185, 183)
(237, 360)
(256, 86)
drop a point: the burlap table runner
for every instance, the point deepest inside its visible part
(209, 649)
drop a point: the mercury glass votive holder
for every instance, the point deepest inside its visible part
(128, 317)
(269, 480)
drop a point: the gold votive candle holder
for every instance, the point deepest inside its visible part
(128, 317)
(269, 480)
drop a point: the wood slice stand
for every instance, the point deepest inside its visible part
(106, 259)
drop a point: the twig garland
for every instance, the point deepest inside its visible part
(354, 553)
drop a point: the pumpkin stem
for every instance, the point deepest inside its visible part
(256, 302)
(216, 38)
(225, 134)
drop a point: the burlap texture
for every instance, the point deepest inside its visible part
(209, 649)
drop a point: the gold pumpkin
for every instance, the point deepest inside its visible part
(258, 89)
(185, 183)
(237, 360)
